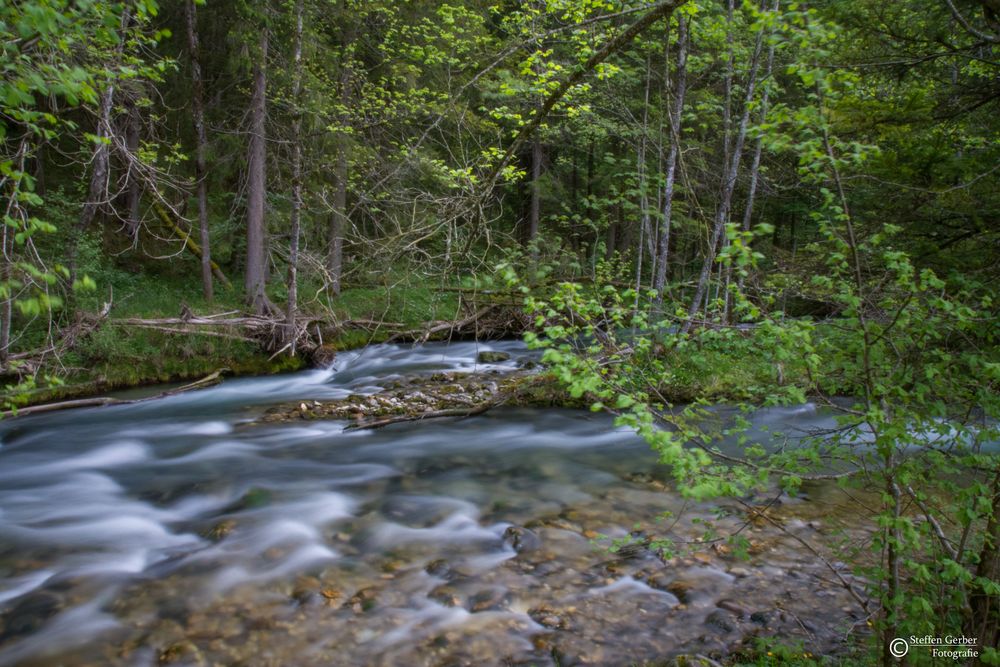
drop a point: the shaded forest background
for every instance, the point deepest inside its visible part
(383, 144)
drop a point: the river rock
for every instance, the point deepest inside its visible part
(219, 531)
(29, 614)
(682, 590)
(184, 652)
(721, 620)
(521, 539)
(492, 357)
(439, 568)
(253, 499)
(489, 600)
(363, 600)
(305, 589)
(733, 606)
(548, 618)
(446, 595)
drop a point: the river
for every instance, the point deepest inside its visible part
(182, 531)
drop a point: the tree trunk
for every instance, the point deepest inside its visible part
(590, 210)
(133, 185)
(198, 115)
(727, 136)
(758, 149)
(256, 185)
(610, 235)
(338, 217)
(39, 174)
(6, 306)
(291, 333)
(536, 201)
(754, 176)
(663, 251)
(643, 195)
(727, 106)
(338, 223)
(729, 185)
(983, 620)
(166, 217)
(97, 191)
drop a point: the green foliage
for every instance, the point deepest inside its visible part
(599, 345)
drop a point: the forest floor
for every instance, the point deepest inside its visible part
(116, 355)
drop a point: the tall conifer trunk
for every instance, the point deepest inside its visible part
(293, 250)
(201, 142)
(256, 184)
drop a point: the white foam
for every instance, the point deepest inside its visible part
(216, 451)
(631, 586)
(458, 527)
(122, 453)
(20, 585)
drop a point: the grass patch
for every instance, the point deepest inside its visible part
(728, 369)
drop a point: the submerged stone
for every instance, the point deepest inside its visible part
(492, 357)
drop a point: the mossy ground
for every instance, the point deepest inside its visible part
(118, 356)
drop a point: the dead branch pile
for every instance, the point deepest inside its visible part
(62, 340)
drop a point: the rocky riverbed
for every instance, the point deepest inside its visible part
(441, 394)
(557, 590)
(233, 526)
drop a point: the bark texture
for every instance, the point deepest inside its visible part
(256, 273)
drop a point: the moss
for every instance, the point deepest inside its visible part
(119, 357)
(542, 391)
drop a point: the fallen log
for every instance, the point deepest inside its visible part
(193, 332)
(167, 219)
(99, 401)
(422, 335)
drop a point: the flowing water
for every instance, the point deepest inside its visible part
(176, 531)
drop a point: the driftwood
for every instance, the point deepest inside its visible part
(99, 401)
(269, 332)
(432, 414)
